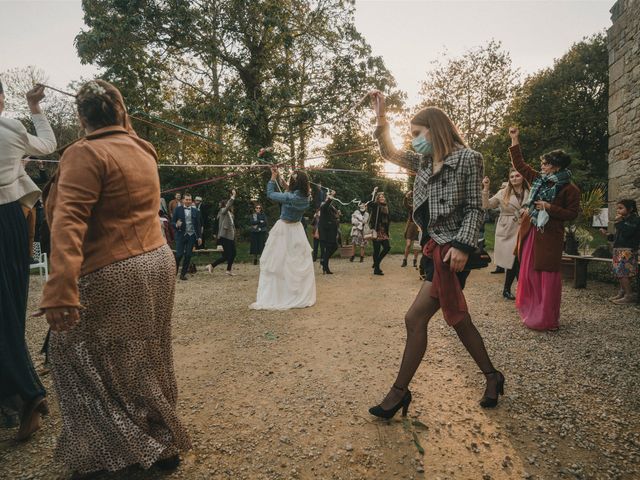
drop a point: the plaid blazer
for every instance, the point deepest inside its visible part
(452, 196)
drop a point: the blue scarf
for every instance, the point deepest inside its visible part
(545, 188)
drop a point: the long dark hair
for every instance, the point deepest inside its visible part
(300, 181)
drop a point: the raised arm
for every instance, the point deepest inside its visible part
(403, 158)
(489, 202)
(517, 160)
(229, 204)
(44, 141)
(280, 197)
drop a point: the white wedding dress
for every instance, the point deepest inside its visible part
(287, 278)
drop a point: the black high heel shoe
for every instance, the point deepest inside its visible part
(404, 403)
(489, 402)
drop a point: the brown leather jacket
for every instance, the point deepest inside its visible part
(102, 206)
(549, 242)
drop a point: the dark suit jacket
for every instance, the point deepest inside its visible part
(549, 242)
(178, 214)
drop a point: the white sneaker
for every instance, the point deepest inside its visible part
(209, 268)
(231, 274)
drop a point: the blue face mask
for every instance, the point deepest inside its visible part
(422, 145)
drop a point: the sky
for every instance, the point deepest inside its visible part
(408, 34)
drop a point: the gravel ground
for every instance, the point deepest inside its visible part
(281, 395)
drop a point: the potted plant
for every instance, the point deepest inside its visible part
(578, 232)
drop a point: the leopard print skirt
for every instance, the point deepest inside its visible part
(113, 373)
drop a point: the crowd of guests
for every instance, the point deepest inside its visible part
(109, 298)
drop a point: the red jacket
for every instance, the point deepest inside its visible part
(549, 242)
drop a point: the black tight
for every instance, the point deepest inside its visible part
(511, 275)
(327, 249)
(378, 255)
(417, 321)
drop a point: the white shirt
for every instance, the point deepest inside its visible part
(15, 142)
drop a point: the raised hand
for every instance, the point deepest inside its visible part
(485, 183)
(514, 134)
(378, 103)
(34, 96)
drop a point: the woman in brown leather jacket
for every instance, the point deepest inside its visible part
(109, 298)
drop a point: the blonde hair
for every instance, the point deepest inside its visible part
(509, 190)
(445, 136)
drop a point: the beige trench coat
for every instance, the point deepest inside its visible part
(507, 225)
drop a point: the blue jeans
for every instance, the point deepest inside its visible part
(184, 248)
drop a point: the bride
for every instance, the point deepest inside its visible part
(286, 269)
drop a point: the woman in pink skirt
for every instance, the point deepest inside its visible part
(553, 199)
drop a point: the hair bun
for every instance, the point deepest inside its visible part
(95, 88)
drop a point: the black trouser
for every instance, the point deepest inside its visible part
(184, 248)
(316, 244)
(228, 253)
(378, 255)
(17, 375)
(327, 249)
(512, 273)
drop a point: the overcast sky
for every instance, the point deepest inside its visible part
(408, 34)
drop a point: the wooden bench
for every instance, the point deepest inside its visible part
(580, 270)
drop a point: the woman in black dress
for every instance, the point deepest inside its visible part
(258, 232)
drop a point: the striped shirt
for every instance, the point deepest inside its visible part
(448, 204)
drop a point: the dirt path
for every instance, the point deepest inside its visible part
(281, 395)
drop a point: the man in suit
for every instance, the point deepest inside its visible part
(187, 222)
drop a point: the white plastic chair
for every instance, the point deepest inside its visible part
(41, 259)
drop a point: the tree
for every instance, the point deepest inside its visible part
(474, 89)
(565, 106)
(60, 111)
(274, 72)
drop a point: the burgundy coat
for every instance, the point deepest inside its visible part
(549, 242)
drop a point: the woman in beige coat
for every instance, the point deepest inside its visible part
(510, 200)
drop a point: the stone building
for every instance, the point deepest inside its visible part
(624, 102)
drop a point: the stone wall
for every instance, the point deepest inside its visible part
(624, 102)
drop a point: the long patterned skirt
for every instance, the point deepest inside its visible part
(114, 371)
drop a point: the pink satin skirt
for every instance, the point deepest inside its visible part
(539, 293)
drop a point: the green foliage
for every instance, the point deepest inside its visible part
(258, 72)
(474, 89)
(561, 107)
(579, 232)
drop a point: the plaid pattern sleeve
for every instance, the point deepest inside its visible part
(403, 158)
(472, 169)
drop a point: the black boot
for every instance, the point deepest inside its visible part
(508, 295)
(361, 259)
(415, 263)
(352, 257)
(404, 262)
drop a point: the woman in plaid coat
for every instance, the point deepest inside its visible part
(447, 206)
